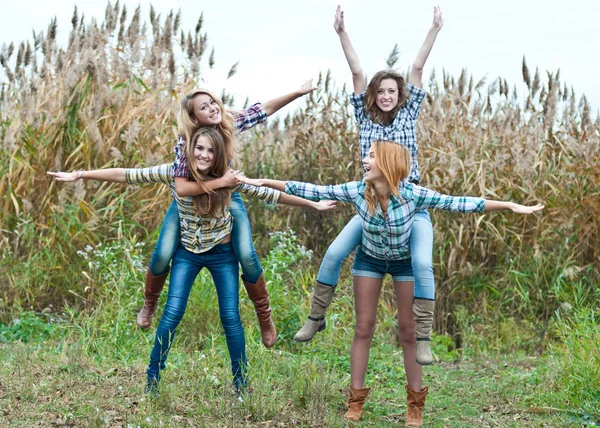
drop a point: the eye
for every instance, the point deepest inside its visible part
(203, 108)
(211, 150)
(212, 101)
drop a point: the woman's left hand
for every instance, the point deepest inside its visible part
(241, 178)
(307, 87)
(438, 19)
(325, 205)
(522, 209)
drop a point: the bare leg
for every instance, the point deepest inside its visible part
(366, 297)
(406, 327)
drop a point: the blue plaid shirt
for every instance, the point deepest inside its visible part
(387, 238)
(244, 120)
(402, 130)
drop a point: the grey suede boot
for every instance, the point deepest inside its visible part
(321, 300)
(423, 312)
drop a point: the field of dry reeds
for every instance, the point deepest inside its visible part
(108, 98)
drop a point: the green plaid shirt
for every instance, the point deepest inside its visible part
(198, 234)
(387, 238)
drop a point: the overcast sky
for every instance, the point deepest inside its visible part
(281, 43)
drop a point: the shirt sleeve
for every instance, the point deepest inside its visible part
(265, 193)
(180, 168)
(340, 192)
(358, 102)
(415, 99)
(154, 174)
(249, 118)
(426, 198)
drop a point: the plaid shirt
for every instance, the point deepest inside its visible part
(402, 130)
(387, 238)
(198, 234)
(244, 120)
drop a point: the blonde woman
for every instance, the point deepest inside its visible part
(205, 241)
(387, 205)
(198, 109)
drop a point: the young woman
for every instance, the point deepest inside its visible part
(200, 108)
(387, 110)
(388, 206)
(206, 229)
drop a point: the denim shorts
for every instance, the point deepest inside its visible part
(365, 265)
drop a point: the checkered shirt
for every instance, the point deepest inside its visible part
(387, 238)
(402, 130)
(244, 120)
(198, 234)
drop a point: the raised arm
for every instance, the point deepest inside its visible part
(511, 206)
(358, 77)
(416, 71)
(115, 175)
(275, 104)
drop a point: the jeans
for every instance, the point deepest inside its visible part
(421, 248)
(223, 266)
(348, 239)
(366, 265)
(167, 243)
(241, 236)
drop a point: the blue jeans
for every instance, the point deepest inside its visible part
(241, 236)
(421, 248)
(223, 266)
(366, 265)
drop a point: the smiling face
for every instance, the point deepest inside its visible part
(204, 154)
(387, 95)
(207, 111)
(372, 170)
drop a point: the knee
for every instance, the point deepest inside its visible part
(231, 320)
(364, 330)
(422, 266)
(407, 335)
(334, 255)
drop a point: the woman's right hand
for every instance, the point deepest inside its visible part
(256, 182)
(338, 23)
(63, 176)
(229, 178)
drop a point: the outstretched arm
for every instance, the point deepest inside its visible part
(511, 206)
(115, 175)
(185, 187)
(275, 104)
(296, 201)
(358, 77)
(416, 71)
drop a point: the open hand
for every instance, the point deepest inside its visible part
(229, 178)
(438, 19)
(325, 205)
(63, 176)
(522, 209)
(307, 87)
(241, 178)
(338, 23)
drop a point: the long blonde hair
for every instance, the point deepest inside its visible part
(187, 127)
(213, 202)
(394, 162)
(371, 108)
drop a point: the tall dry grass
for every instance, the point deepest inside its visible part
(108, 99)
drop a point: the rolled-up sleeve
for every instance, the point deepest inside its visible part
(153, 174)
(265, 193)
(339, 192)
(250, 117)
(415, 100)
(426, 198)
(358, 102)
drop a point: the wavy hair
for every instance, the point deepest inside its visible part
(187, 127)
(394, 162)
(374, 112)
(213, 202)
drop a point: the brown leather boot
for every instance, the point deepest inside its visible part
(260, 297)
(154, 286)
(355, 403)
(416, 402)
(423, 311)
